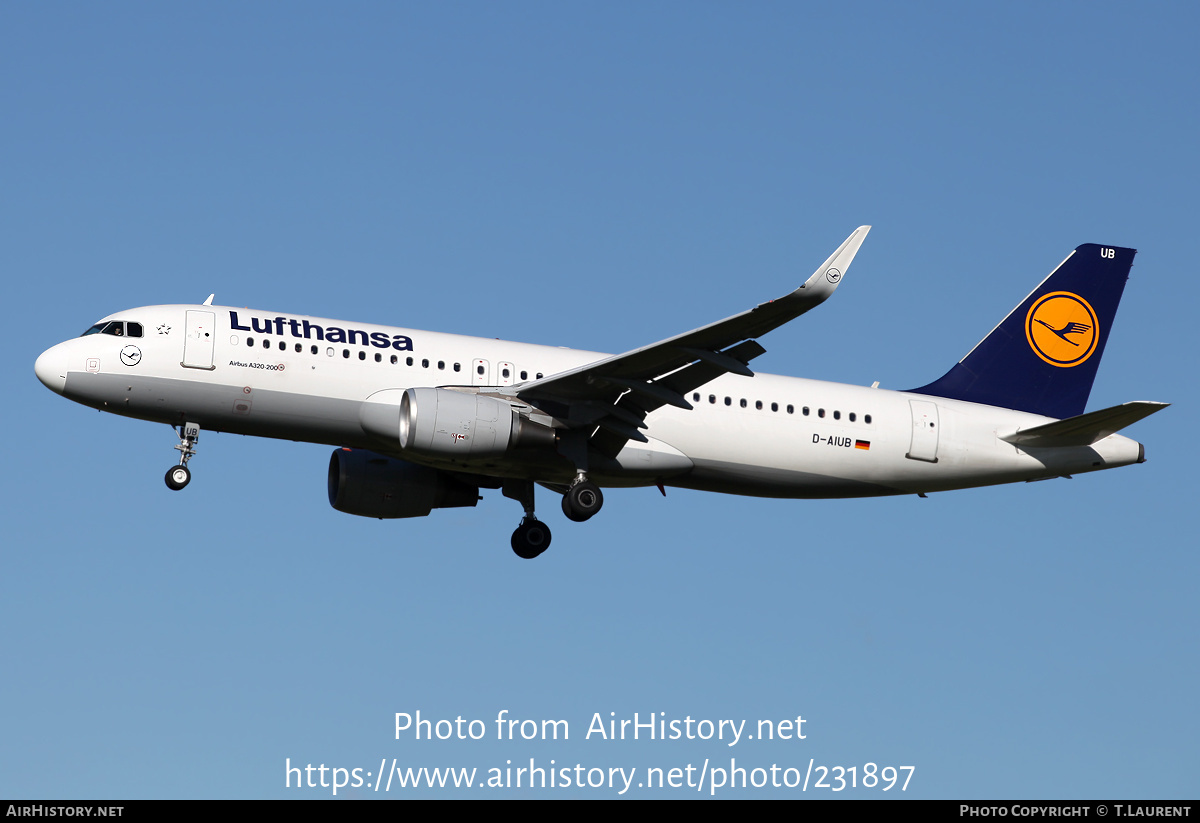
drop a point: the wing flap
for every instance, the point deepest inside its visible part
(678, 383)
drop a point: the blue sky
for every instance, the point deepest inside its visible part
(597, 176)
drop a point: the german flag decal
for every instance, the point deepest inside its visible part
(865, 445)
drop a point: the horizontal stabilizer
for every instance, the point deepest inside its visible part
(1085, 429)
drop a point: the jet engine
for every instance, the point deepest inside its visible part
(371, 485)
(451, 424)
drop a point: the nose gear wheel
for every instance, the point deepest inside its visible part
(179, 476)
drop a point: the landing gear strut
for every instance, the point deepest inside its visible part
(582, 500)
(532, 537)
(179, 476)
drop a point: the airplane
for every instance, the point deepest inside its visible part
(422, 420)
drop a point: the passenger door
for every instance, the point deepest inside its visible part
(924, 445)
(200, 339)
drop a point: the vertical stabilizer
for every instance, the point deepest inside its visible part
(1043, 356)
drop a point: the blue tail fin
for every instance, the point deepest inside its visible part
(1043, 357)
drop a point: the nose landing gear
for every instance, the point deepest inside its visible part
(179, 476)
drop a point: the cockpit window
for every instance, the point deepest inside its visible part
(117, 328)
(113, 327)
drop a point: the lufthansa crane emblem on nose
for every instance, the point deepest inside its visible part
(131, 355)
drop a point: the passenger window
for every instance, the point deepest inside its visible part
(712, 398)
(362, 355)
(282, 346)
(790, 408)
(458, 366)
(408, 361)
(525, 376)
(314, 349)
(837, 415)
(696, 396)
(346, 354)
(820, 413)
(442, 365)
(728, 401)
(866, 418)
(742, 403)
(395, 359)
(774, 407)
(758, 405)
(250, 342)
(424, 364)
(299, 348)
(804, 411)
(851, 417)
(329, 351)
(378, 357)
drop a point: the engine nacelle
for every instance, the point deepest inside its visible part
(444, 423)
(371, 485)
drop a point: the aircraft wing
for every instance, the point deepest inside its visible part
(616, 393)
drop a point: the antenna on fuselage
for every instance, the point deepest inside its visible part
(208, 302)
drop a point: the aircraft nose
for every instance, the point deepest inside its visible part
(51, 369)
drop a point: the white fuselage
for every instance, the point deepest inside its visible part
(304, 378)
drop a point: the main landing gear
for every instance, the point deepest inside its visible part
(532, 537)
(582, 500)
(179, 476)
